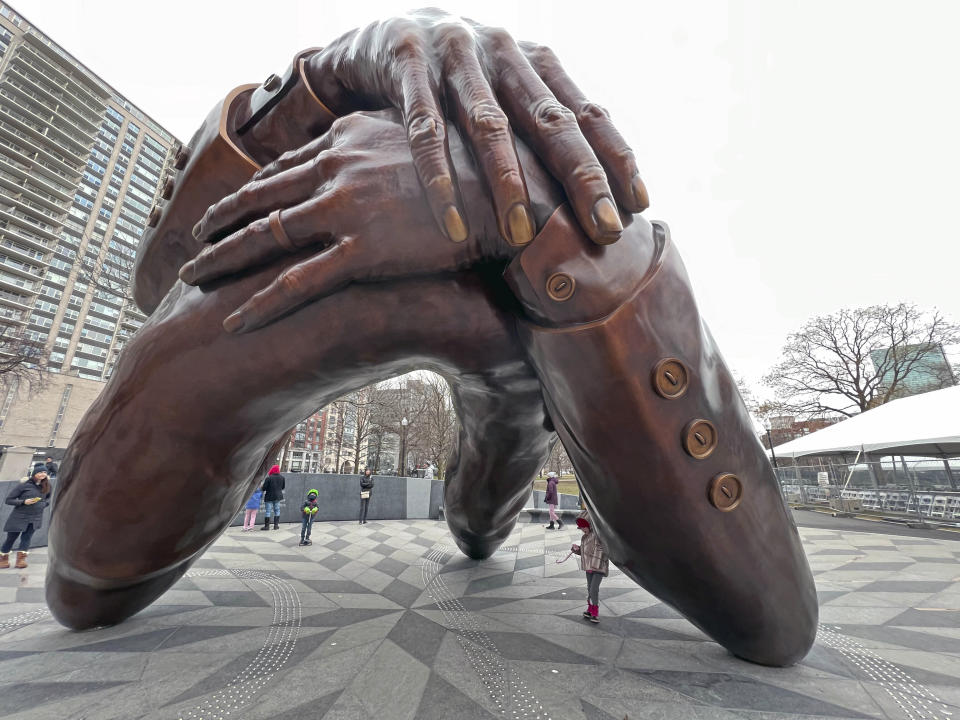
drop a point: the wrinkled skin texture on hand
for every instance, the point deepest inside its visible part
(438, 69)
(344, 196)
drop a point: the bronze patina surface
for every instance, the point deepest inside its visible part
(300, 257)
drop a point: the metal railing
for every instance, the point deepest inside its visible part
(910, 490)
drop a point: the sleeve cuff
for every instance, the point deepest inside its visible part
(563, 278)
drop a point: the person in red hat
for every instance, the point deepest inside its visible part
(594, 562)
(273, 497)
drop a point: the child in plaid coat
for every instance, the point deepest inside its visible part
(594, 562)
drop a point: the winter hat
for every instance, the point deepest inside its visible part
(275, 470)
(311, 491)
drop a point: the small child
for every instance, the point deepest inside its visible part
(594, 562)
(250, 510)
(309, 510)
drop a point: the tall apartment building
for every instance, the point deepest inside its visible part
(80, 168)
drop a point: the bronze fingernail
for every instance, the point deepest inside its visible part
(234, 323)
(453, 223)
(196, 231)
(520, 225)
(607, 218)
(640, 192)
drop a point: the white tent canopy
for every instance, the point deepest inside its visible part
(927, 424)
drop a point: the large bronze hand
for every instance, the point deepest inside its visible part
(344, 198)
(429, 61)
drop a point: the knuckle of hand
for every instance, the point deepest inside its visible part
(425, 129)
(588, 173)
(590, 111)
(291, 282)
(488, 119)
(498, 38)
(549, 114)
(540, 55)
(453, 35)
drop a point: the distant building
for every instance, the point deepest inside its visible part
(304, 449)
(785, 428)
(930, 371)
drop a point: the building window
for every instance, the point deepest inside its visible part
(8, 401)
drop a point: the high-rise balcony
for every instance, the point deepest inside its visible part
(58, 99)
(11, 186)
(19, 268)
(14, 169)
(16, 283)
(34, 101)
(34, 70)
(36, 229)
(42, 128)
(71, 164)
(21, 251)
(14, 300)
(23, 151)
(63, 67)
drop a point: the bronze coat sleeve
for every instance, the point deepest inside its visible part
(682, 493)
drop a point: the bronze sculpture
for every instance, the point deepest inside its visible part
(589, 329)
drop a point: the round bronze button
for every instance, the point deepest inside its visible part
(700, 438)
(670, 378)
(271, 83)
(180, 159)
(154, 217)
(560, 287)
(725, 492)
(167, 189)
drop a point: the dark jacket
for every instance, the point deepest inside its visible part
(51, 469)
(366, 482)
(551, 496)
(273, 488)
(23, 515)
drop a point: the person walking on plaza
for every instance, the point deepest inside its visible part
(594, 562)
(250, 510)
(552, 500)
(28, 498)
(273, 497)
(51, 468)
(366, 490)
(309, 511)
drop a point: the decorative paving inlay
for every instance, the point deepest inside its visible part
(389, 620)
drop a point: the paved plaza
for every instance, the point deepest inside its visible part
(388, 620)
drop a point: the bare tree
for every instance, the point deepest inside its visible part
(22, 359)
(438, 425)
(367, 405)
(860, 358)
(340, 412)
(110, 273)
(559, 461)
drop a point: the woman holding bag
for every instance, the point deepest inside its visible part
(29, 498)
(366, 489)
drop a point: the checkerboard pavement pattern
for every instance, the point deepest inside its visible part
(388, 620)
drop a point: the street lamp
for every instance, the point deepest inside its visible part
(403, 448)
(770, 440)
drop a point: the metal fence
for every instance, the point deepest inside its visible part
(924, 490)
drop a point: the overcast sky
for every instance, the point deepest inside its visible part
(805, 154)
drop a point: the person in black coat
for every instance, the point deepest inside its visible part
(273, 497)
(51, 468)
(29, 498)
(366, 490)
